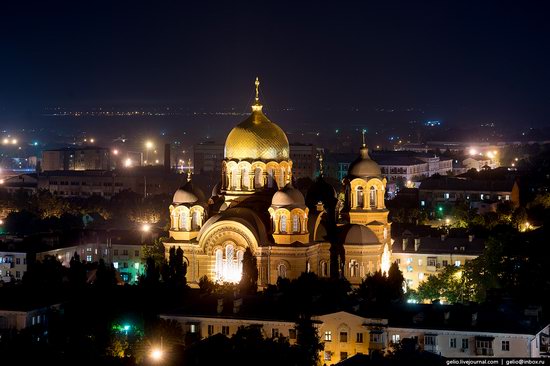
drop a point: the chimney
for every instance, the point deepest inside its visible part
(405, 243)
(167, 163)
(416, 244)
(237, 305)
(220, 306)
(471, 238)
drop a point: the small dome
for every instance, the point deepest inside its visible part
(320, 191)
(188, 194)
(364, 166)
(288, 196)
(216, 190)
(360, 234)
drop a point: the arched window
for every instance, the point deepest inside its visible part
(218, 271)
(281, 178)
(324, 269)
(258, 179)
(196, 221)
(174, 221)
(281, 270)
(353, 268)
(295, 223)
(184, 220)
(240, 256)
(308, 267)
(234, 178)
(283, 223)
(359, 195)
(372, 197)
(245, 178)
(270, 177)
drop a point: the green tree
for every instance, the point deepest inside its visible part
(308, 341)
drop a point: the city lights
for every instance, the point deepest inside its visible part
(473, 151)
(128, 163)
(157, 354)
(115, 152)
(145, 228)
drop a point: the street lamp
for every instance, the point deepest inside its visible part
(148, 146)
(157, 353)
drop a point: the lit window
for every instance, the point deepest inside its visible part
(88, 258)
(409, 260)
(283, 223)
(295, 224)
(193, 328)
(409, 268)
(136, 265)
(274, 333)
(507, 198)
(446, 196)
(328, 336)
(457, 263)
(115, 264)
(359, 195)
(420, 261)
(372, 197)
(422, 203)
(281, 270)
(421, 276)
(328, 355)
(430, 340)
(395, 338)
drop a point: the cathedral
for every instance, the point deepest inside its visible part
(255, 206)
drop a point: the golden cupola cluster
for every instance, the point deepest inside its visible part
(257, 138)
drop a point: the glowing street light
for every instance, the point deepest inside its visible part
(156, 354)
(115, 152)
(473, 151)
(146, 228)
(128, 163)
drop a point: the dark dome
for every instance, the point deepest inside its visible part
(360, 234)
(320, 191)
(288, 196)
(188, 194)
(364, 166)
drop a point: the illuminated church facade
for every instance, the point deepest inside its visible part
(255, 206)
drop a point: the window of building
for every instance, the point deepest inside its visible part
(465, 343)
(505, 345)
(283, 223)
(274, 332)
(444, 263)
(17, 274)
(281, 270)
(292, 333)
(324, 269)
(17, 261)
(343, 337)
(136, 253)
(457, 263)
(432, 261)
(375, 337)
(446, 195)
(343, 355)
(398, 260)
(359, 195)
(210, 330)
(125, 252)
(409, 260)
(225, 330)
(372, 197)
(136, 265)
(193, 328)
(115, 252)
(409, 268)
(395, 338)
(353, 268)
(452, 342)
(88, 249)
(507, 197)
(88, 258)
(419, 261)
(295, 224)
(115, 264)
(430, 340)
(421, 276)
(328, 336)
(359, 338)
(422, 203)
(327, 355)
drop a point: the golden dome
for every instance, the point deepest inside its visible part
(257, 138)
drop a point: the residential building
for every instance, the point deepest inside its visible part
(441, 190)
(76, 158)
(13, 262)
(304, 160)
(23, 182)
(420, 257)
(207, 157)
(148, 180)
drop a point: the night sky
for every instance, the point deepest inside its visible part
(469, 61)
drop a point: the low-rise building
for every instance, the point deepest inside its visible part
(441, 190)
(420, 257)
(13, 262)
(77, 158)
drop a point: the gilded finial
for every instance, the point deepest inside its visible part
(189, 170)
(257, 83)
(363, 137)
